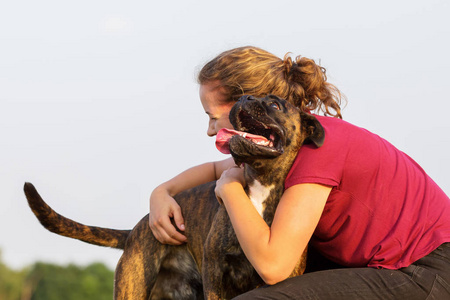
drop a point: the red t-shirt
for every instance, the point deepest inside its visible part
(383, 211)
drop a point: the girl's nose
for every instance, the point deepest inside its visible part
(211, 130)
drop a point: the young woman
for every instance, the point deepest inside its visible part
(357, 200)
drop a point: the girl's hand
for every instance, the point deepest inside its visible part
(231, 178)
(162, 208)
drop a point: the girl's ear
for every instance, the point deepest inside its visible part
(312, 129)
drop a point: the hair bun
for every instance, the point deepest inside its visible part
(289, 64)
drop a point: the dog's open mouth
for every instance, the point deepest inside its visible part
(255, 134)
(224, 136)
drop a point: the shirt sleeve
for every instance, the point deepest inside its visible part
(323, 165)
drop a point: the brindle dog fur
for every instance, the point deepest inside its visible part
(211, 264)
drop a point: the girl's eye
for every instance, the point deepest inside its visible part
(275, 105)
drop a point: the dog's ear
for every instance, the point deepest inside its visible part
(312, 128)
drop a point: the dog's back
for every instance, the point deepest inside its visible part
(165, 271)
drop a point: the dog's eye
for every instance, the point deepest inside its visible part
(275, 105)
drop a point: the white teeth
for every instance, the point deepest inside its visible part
(263, 143)
(266, 143)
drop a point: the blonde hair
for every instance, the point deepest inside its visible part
(253, 71)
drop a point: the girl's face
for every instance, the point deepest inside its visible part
(212, 96)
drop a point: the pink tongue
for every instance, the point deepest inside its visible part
(224, 135)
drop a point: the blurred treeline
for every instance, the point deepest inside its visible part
(44, 281)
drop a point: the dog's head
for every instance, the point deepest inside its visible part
(268, 132)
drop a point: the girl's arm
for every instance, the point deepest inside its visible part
(273, 251)
(163, 207)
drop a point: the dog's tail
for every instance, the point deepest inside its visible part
(63, 226)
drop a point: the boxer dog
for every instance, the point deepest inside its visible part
(268, 133)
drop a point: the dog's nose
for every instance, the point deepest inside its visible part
(247, 98)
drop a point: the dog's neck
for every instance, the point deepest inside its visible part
(259, 194)
(265, 186)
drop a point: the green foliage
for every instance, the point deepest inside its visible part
(44, 281)
(10, 282)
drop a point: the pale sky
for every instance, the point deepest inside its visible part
(99, 103)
